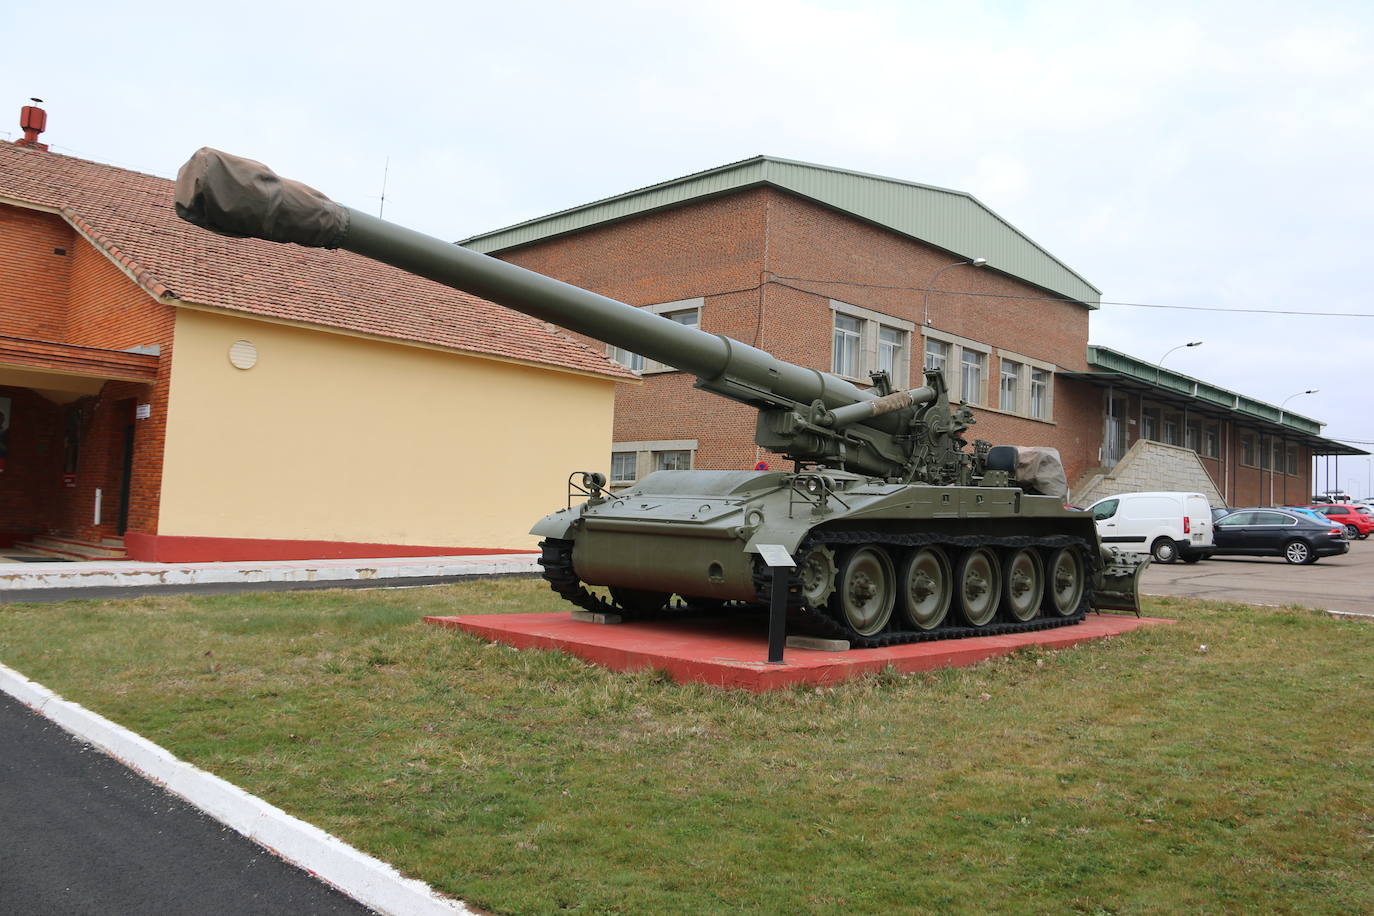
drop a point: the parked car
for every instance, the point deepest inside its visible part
(1167, 525)
(1332, 496)
(1357, 524)
(1310, 513)
(1286, 533)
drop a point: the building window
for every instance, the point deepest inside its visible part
(866, 341)
(622, 466)
(1193, 436)
(1149, 426)
(1278, 460)
(845, 360)
(1171, 429)
(973, 368)
(1209, 442)
(630, 461)
(1247, 450)
(676, 460)
(1009, 391)
(1039, 393)
(892, 352)
(1292, 460)
(627, 359)
(937, 358)
(682, 311)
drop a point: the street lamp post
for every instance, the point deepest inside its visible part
(1291, 397)
(925, 299)
(1296, 394)
(1159, 365)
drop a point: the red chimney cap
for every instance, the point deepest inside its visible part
(33, 120)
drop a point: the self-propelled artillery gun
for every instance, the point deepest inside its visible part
(900, 528)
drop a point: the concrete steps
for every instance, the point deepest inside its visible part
(65, 548)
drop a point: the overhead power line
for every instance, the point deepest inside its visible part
(1139, 305)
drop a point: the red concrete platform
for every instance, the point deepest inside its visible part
(733, 652)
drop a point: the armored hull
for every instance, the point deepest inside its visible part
(877, 562)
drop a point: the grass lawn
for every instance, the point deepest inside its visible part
(1135, 775)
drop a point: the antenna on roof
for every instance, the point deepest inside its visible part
(382, 206)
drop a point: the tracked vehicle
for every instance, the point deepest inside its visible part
(900, 528)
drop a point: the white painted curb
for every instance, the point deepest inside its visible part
(94, 574)
(370, 881)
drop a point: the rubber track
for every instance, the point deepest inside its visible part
(818, 621)
(556, 559)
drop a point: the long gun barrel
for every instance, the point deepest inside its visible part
(806, 413)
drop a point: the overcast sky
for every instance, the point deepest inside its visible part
(1211, 155)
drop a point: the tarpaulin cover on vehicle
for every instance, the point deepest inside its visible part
(239, 197)
(1040, 469)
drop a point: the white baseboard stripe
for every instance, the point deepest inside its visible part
(370, 881)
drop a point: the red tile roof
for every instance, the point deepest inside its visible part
(130, 216)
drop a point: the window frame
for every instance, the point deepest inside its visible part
(871, 325)
(646, 456)
(1015, 375)
(634, 470)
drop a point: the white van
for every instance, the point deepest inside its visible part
(1168, 526)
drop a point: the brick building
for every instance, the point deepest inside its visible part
(193, 397)
(846, 273)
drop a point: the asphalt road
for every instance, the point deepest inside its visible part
(80, 833)
(1344, 583)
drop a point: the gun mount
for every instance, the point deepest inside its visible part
(888, 509)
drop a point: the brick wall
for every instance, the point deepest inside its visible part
(78, 297)
(723, 248)
(33, 277)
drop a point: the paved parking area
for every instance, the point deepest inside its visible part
(1344, 583)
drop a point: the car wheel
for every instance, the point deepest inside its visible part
(1193, 557)
(1352, 532)
(1164, 550)
(1298, 552)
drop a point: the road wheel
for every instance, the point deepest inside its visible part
(979, 581)
(817, 574)
(1064, 581)
(865, 590)
(1164, 550)
(1298, 552)
(926, 588)
(1352, 532)
(1023, 584)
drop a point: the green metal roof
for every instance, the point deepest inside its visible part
(953, 220)
(1114, 367)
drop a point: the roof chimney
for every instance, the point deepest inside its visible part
(34, 121)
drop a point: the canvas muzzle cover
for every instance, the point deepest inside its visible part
(245, 199)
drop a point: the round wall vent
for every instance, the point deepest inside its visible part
(243, 355)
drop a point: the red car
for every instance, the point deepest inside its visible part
(1357, 524)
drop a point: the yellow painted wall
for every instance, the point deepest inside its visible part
(338, 438)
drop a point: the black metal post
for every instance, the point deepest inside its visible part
(777, 615)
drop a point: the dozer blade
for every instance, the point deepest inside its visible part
(1120, 588)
